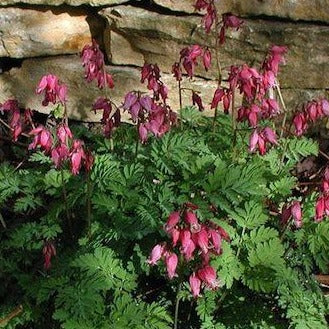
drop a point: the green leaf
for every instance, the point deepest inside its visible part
(250, 217)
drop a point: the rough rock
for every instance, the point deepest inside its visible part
(45, 32)
(159, 39)
(20, 83)
(307, 10)
(63, 2)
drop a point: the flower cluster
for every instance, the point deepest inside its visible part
(151, 73)
(293, 211)
(93, 62)
(194, 241)
(189, 60)
(14, 116)
(260, 139)
(149, 115)
(311, 111)
(210, 15)
(48, 252)
(228, 21)
(111, 117)
(322, 204)
(65, 148)
(254, 86)
(53, 90)
(224, 95)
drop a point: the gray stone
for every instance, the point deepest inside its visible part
(159, 39)
(30, 33)
(306, 10)
(20, 83)
(63, 2)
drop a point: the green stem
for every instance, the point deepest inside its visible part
(177, 305)
(219, 69)
(68, 217)
(240, 242)
(180, 98)
(89, 189)
(284, 108)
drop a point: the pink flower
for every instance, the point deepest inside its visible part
(202, 241)
(50, 85)
(285, 215)
(156, 254)
(172, 221)
(231, 21)
(269, 135)
(171, 264)
(192, 220)
(142, 132)
(48, 252)
(176, 71)
(218, 96)
(208, 276)
(195, 285)
(42, 138)
(93, 62)
(300, 124)
(105, 105)
(296, 213)
(223, 234)
(196, 99)
(206, 59)
(253, 141)
(188, 246)
(201, 4)
(216, 240)
(319, 209)
(175, 234)
(77, 155)
(209, 17)
(59, 154)
(325, 107)
(64, 133)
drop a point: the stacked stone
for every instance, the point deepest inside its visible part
(47, 35)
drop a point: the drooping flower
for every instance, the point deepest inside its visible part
(196, 100)
(202, 240)
(42, 138)
(229, 21)
(171, 260)
(216, 240)
(59, 154)
(48, 252)
(206, 59)
(156, 254)
(93, 62)
(49, 84)
(64, 133)
(209, 277)
(296, 213)
(77, 156)
(192, 221)
(172, 221)
(195, 285)
(320, 209)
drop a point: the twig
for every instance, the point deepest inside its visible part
(324, 154)
(2, 221)
(89, 188)
(16, 312)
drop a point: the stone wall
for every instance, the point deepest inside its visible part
(38, 37)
